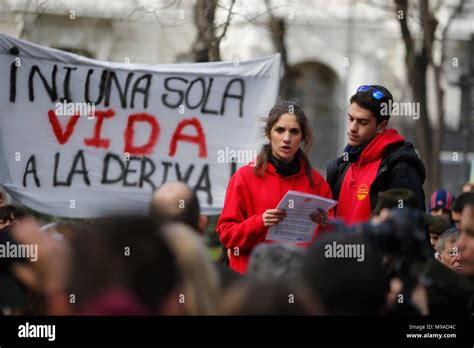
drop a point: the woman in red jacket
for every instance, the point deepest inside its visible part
(256, 189)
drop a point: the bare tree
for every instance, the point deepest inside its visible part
(438, 76)
(418, 59)
(206, 48)
(277, 27)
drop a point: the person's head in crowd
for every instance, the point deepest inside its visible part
(395, 198)
(124, 266)
(278, 261)
(447, 251)
(14, 294)
(366, 116)
(42, 273)
(199, 281)
(254, 297)
(468, 187)
(10, 214)
(175, 201)
(465, 243)
(352, 283)
(436, 227)
(441, 202)
(283, 145)
(3, 197)
(458, 206)
(406, 199)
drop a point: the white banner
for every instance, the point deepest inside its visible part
(81, 137)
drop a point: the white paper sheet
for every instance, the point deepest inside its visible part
(297, 226)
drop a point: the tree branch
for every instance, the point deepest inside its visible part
(457, 11)
(226, 23)
(402, 5)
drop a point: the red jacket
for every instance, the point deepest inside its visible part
(240, 226)
(354, 198)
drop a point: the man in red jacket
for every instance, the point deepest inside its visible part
(376, 158)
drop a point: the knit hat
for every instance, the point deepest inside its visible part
(395, 198)
(441, 199)
(403, 198)
(438, 225)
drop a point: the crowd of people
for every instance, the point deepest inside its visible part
(379, 251)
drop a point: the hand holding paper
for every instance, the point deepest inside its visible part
(303, 212)
(272, 217)
(320, 217)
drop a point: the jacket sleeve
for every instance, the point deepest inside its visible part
(235, 228)
(404, 175)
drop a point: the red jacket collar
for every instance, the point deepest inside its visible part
(375, 149)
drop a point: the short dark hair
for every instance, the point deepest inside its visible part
(367, 101)
(12, 212)
(150, 270)
(466, 198)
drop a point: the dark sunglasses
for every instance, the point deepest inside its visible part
(375, 92)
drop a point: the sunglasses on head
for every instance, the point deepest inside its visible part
(377, 94)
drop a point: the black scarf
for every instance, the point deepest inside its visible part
(285, 169)
(354, 152)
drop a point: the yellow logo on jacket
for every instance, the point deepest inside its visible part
(362, 192)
